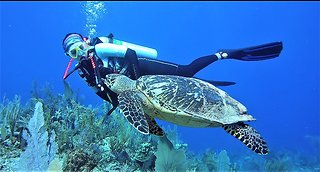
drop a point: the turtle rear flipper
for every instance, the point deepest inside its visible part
(154, 128)
(249, 136)
(130, 104)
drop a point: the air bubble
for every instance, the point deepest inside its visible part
(94, 10)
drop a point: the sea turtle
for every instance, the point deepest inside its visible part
(184, 101)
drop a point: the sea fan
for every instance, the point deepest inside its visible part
(40, 151)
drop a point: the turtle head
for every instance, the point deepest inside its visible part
(119, 83)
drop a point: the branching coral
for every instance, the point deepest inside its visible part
(11, 114)
(12, 121)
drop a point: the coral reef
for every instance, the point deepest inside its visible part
(12, 121)
(88, 140)
(79, 160)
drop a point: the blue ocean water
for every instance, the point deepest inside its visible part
(281, 93)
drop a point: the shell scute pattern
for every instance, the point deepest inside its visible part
(180, 95)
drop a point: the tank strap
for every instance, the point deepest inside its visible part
(99, 82)
(110, 36)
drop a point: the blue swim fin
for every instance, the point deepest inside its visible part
(255, 53)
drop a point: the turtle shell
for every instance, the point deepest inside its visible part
(191, 102)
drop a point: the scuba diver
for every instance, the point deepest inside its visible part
(100, 56)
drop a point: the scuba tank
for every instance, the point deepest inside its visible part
(118, 48)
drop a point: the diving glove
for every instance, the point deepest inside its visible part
(255, 53)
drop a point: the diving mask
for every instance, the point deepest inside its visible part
(76, 50)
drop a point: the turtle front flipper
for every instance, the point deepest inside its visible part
(131, 105)
(154, 128)
(249, 136)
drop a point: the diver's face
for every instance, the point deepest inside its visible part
(77, 50)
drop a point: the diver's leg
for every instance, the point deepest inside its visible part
(254, 53)
(149, 66)
(157, 67)
(197, 65)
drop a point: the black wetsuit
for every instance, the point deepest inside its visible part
(134, 67)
